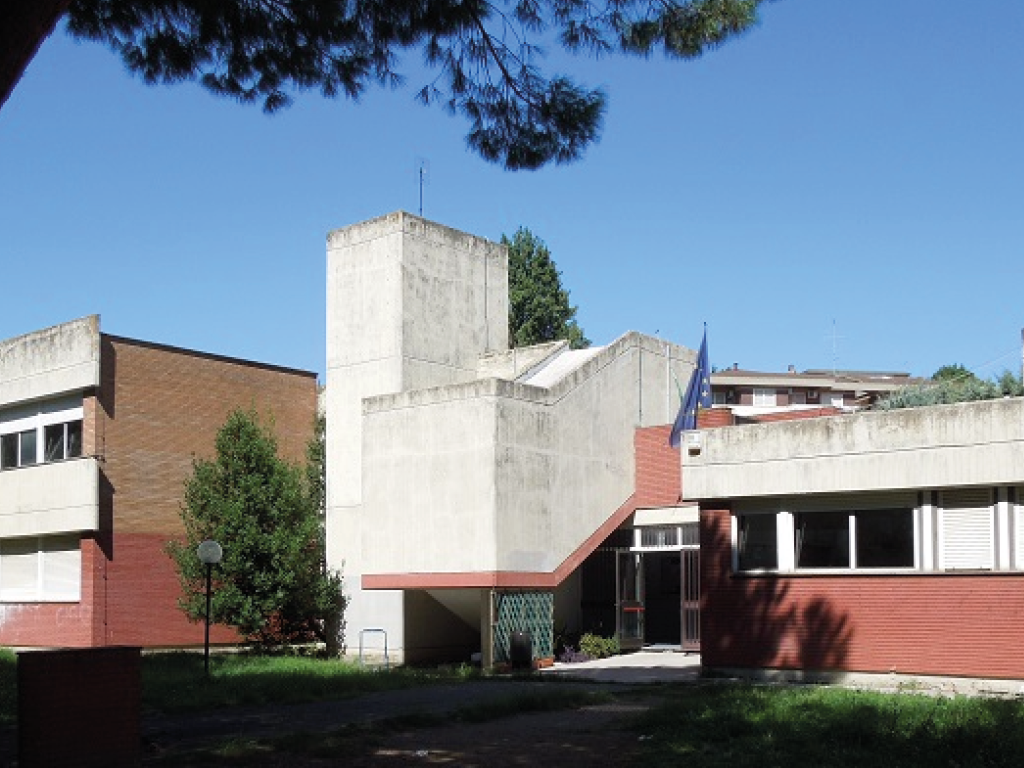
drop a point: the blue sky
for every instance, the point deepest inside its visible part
(843, 186)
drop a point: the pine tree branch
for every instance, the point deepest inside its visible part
(23, 28)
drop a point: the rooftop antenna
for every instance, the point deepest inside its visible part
(422, 172)
(835, 355)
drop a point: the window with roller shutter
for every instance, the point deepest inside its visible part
(967, 537)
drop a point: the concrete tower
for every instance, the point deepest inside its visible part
(410, 305)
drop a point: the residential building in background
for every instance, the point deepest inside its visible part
(753, 393)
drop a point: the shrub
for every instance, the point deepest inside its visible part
(597, 647)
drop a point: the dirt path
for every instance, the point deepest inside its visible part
(587, 736)
(590, 736)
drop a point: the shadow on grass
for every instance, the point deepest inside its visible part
(176, 682)
(738, 726)
(360, 739)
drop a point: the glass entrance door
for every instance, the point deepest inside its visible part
(629, 599)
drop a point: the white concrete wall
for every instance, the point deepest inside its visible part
(495, 476)
(979, 443)
(410, 304)
(53, 361)
(429, 473)
(50, 498)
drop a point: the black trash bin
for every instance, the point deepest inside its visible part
(520, 650)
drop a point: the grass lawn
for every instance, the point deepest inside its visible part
(721, 725)
(738, 725)
(175, 682)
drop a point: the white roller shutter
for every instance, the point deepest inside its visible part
(967, 529)
(41, 569)
(19, 569)
(62, 568)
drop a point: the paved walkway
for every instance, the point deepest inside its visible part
(640, 667)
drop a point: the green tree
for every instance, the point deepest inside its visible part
(953, 384)
(538, 305)
(485, 54)
(953, 372)
(272, 584)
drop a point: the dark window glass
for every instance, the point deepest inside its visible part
(758, 545)
(27, 449)
(74, 439)
(823, 540)
(8, 451)
(53, 442)
(885, 538)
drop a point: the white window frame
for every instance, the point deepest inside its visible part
(785, 521)
(765, 397)
(37, 417)
(1000, 523)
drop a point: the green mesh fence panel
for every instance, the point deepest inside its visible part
(531, 612)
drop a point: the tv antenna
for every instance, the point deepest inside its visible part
(835, 354)
(422, 177)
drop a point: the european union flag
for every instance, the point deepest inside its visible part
(698, 395)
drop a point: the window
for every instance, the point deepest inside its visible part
(659, 536)
(885, 538)
(827, 539)
(41, 569)
(62, 441)
(764, 397)
(881, 538)
(757, 544)
(968, 536)
(823, 540)
(8, 451)
(58, 436)
(18, 449)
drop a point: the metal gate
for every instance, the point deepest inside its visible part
(629, 616)
(690, 602)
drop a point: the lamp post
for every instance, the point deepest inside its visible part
(210, 554)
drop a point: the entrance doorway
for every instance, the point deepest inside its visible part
(658, 599)
(663, 580)
(648, 595)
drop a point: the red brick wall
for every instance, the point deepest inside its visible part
(156, 408)
(715, 417)
(657, 468)
(70, 625)
(931, 624)
(809, 413)
(142, 598)
(162, 406)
